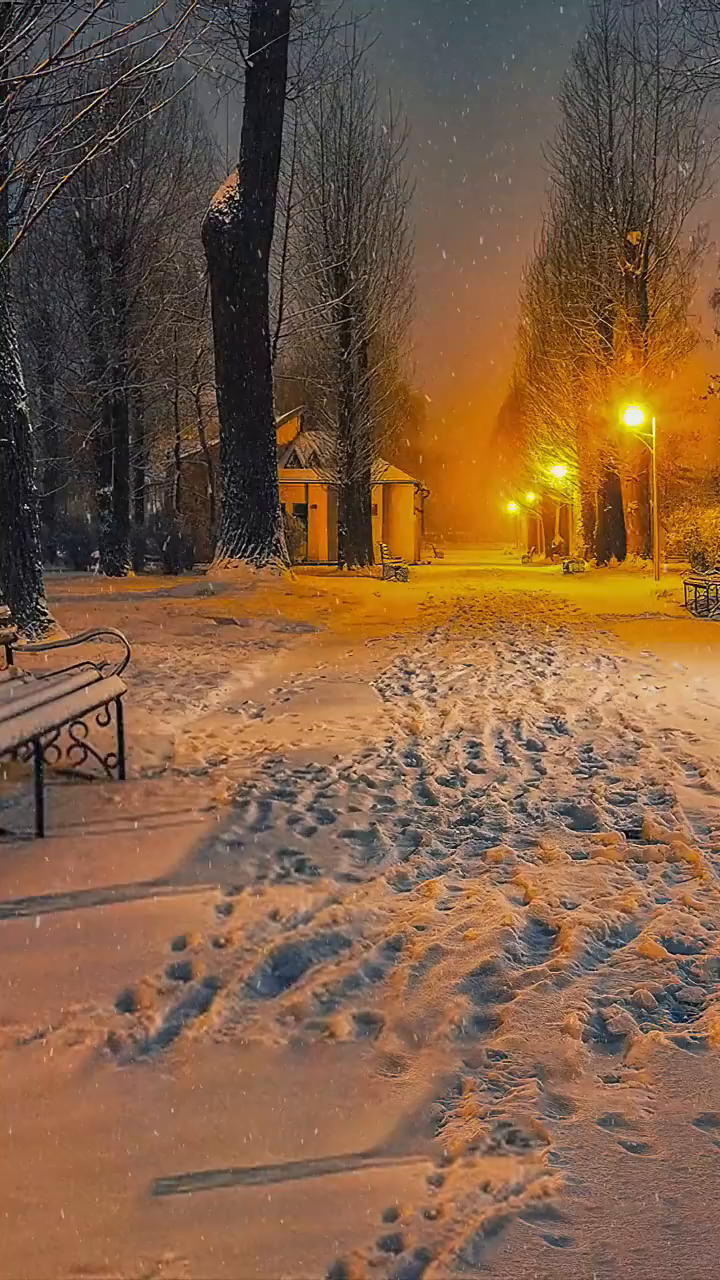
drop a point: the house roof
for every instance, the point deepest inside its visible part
(306, 458)
(310, 453)
(213, 435)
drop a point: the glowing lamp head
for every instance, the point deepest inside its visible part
(559, 471)
(530, 498)
(634, 417)
(512, 508)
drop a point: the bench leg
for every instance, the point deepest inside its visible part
(120, 724)
(39, 791)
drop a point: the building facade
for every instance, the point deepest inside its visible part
(307, 495)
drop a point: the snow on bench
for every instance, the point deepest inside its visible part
(44, 717)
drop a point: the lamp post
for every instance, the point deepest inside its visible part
(634, 419)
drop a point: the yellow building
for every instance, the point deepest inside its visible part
(306, 493)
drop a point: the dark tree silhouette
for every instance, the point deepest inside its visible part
(42, 47)
(237, 234)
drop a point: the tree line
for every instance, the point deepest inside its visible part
(605, 309)
(147, 298)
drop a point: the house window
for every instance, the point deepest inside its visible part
(374, 508)
(300, 511)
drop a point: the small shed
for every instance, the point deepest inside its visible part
(307, 494)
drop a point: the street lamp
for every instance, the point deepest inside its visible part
(634, 418)
(559, 471)
(531, 498)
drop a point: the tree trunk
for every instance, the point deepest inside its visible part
(237, 235)
(138, 473)
(588, 501)
(209, 464)
(355, 544)
(21, 578)
(51, 476)
(636, 500)
(113, 442)
(177, 442)
(118, 563)
(102, 427)
(355, 533)
(611, 537)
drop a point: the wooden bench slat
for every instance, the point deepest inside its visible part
(18, 695)
(42, 719)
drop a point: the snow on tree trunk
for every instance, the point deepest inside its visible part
(588, 501)
(21, 579)
(21, 576)
(237, 235)
(355, 541)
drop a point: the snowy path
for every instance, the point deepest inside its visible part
(506, 906)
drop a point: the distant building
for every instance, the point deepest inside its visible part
(398, 500)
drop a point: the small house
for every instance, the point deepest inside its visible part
(307, 494)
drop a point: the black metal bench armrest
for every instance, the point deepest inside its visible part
(85, 636)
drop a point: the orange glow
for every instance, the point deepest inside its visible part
(634, 417)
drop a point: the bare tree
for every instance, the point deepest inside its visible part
(114, 306)
(355, 287)
(607, 295)
(42, 45)
(238, 233)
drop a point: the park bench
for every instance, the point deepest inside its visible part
(574, 564)
(46, 717)
(394, 568)
(702, 594)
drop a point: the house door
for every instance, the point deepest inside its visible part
(300, 513)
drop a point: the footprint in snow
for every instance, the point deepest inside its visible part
(635, 1148)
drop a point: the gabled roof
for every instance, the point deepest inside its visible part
(311, 452)
(307, 456)
(308, 451)
(284, 421)
(388, 473)
(288, 417)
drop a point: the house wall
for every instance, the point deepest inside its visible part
(288, 431)
(399, 521)
(397, 509)
(419, 516)
(377, 518)
(292, 493)
(316, 497)
(332, 500)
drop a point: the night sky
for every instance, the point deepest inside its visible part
(478, 80)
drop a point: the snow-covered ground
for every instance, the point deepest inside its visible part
(399, 954)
